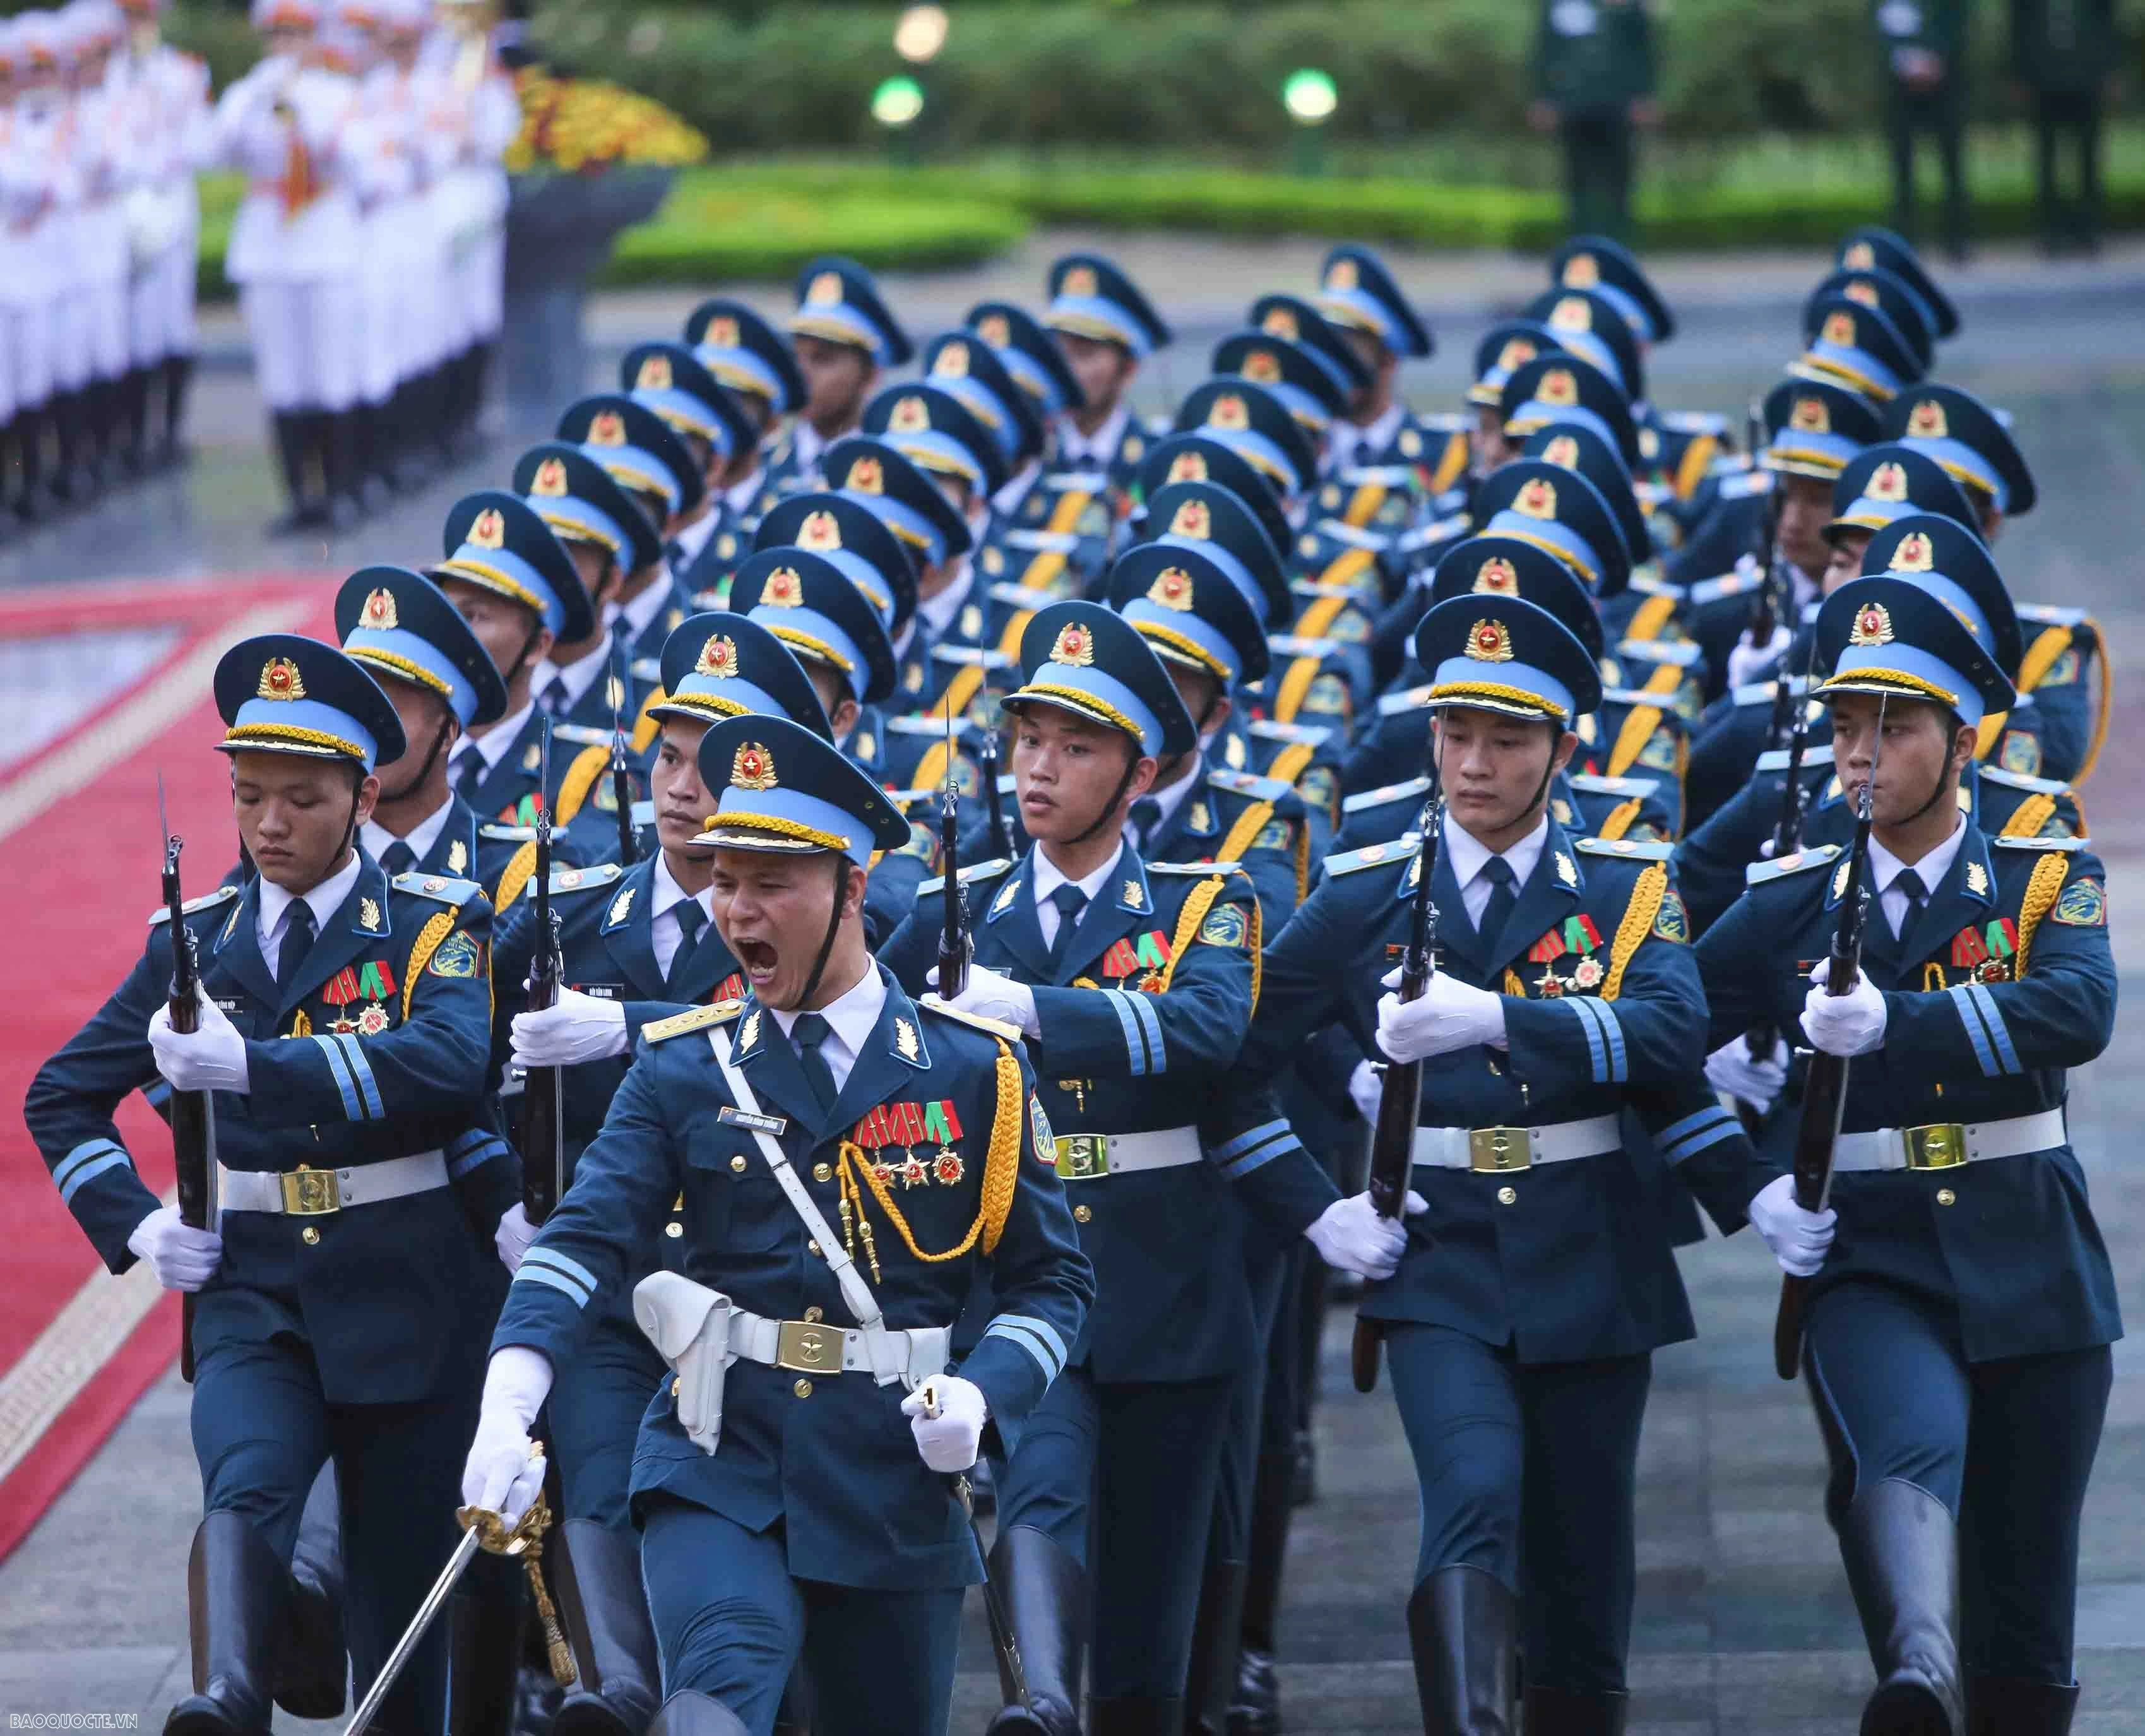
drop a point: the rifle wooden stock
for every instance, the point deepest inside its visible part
(193, 1133)
(543, 1107)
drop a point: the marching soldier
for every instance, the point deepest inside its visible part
(843, 337)
(1960, 1306)
(1563, 992)
(1171, 1331)
(1106, 328)
(750, 361)
(342, 1290)
(721, 435)
(1358, 296)
(784, 1510)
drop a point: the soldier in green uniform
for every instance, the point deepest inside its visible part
(1594, 86)
(1923, 47)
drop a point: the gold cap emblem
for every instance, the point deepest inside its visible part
(378, 611)
(1193, 518)
(1264, 366)
(1839, 329)
(1172, 589)
(1498, 576)
(824, 291)
(1516, 355)
(1229, 411)
(1342, 274)
(1582, 271)
(655, 374)
(1188, 467)
(911, 415)
(1562, 451)
(1490, 642)
(608, 429)
(1859, 258)
(951, 362)
(1571, 314)
(1860, 289)
(1810, 415)
(1888, 483)
(1927, 421)
(1915, 553)
(820, 531)
(279, 680)
(1558, 386)
(753, 768)
(488, 530)
(995, 330)
(1280, 323)
(722, 332)
(1080, 281)
(1075, 646)
(1872, 626)
(783, 589)
(1536, 499)
(719, 658)
(551, 478)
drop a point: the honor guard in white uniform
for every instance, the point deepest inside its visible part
(98, 311)
(42, 164)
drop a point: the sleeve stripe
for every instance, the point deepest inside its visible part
(64, 1169)
(1151, 1023)
(361, 1071)
(1037, 1347)
(1278, 1145)
(1244, 1142)
(1695, 1133)
(1135, 1041)
(474, 1156)
(1019, 1326)
(1969, 1015)
(352, 1109)
(2000, 1032)
(572, 1268)
(462, 1143)
(113, 1159)
(530, 1274)
(1612, 1027)
(1597, 1050)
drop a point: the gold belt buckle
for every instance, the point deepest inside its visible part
(1941, 1145)
(1082, 1156)
(806, 1348)
(309, 1192)
(1492, 1150)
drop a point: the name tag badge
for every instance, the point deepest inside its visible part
(228, 1003)
(774, 1125)
(600, 990)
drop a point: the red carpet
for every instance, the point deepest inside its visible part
(80, 860)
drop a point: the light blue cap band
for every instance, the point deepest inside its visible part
(1032, 377)
(1256, 448)
(841, 323)
(1209, 639)
(1534, 414)
(1910, 660)
(987, 408)
(1964, 465)
(1840, 365)
(1466, 671)
(684, 411)
(1557, 538)
(1366, 313)
(399, 643)
(1793, 445)
(311, 715)
(790, 624)
(1097, 316)
(1632, 310)
(929, 449)
(1226, 564)
(742, 370)
(730, 692)
(633, 468)
(903, 520)
(1099, 684)
(572, 517)
(1960, 602)
(799, 809)
(478, 565)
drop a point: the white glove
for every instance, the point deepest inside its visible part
(989, 995)
(1849, 1024)
(1366, 1087)
(1350, 1236)
(513, 1237)
(181, 1256)
(1448, 1015)
(1798, 1239)
(212, 1058)
(578, 1027)
(503, 1472)
(1747, 663)
(1731, 1069)
(949, 1440)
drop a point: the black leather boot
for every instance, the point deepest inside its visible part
(688, 1713)
(620, 1675)
(178, 375)
(235, 1595)
(2009, 1706)
(314, 1672)
(1552, 1712)
(303, 471)
(1045, 1595)
(1255, 1701)
(1134, 1715)
(343, 447)
(1901, 1551)
(1217, 1629)
(1460, 1623)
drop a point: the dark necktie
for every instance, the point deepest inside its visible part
(398, 858)
(1146, 815)
(674, 554)
(554, 697)
(298, 932)
(809, 1033)
(1917, 895)
(1498, 872)
(691, 920)
(1070, 901)
(468, 775)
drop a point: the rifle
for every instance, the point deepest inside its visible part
(543, 1108)
(1400, 1099)
(956, 946)
(1000, 840)
(1824, 1087)
(1766, 610)
(192, 1112)
(621, 779)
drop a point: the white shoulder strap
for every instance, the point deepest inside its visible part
(887, 1366)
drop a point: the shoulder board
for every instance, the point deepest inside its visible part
(707, 602)
(642, 813)
(905, 798)
(1630, 696)
(2048, 615)
(1389, 792)
(1289, 645)
(1634, 849)
(500, 834)
(1760, 692)
(1412, 698)
(1436, 531)
(2038, 844)
(1380, 476)
(1653, 496)
(1694, 421)
(969, 875)
(444, 888)
(1311, 735)
(967, 654)
(697, 1019)
(1728, 584)
(2018, 780)
(1680, 652)
(1350, 861)
(1312, 590)
(649, 669)
(1218, 869)
(1005, 1033)
(1776, 760)
(1019, 596)
(1334, 531)
(207, 901)
(1759, 873)
(1652, 584)
(1086, 482)
(1444, 421)
(583, 879)
(1743, 484)
(1043, 542)
(1593, 784)
(582, 735)
(934, 728)
(1244, 783)
(1729, 464)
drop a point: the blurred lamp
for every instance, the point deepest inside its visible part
(1309, 97)
(921, 33)
(897, 102)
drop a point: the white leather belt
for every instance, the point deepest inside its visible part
(306, 1193)
(1946, 1145)
(1492, 1150)
(811, 1347)
(1086, 1156)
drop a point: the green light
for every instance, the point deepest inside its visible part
(1309, 96)
(897, 102)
